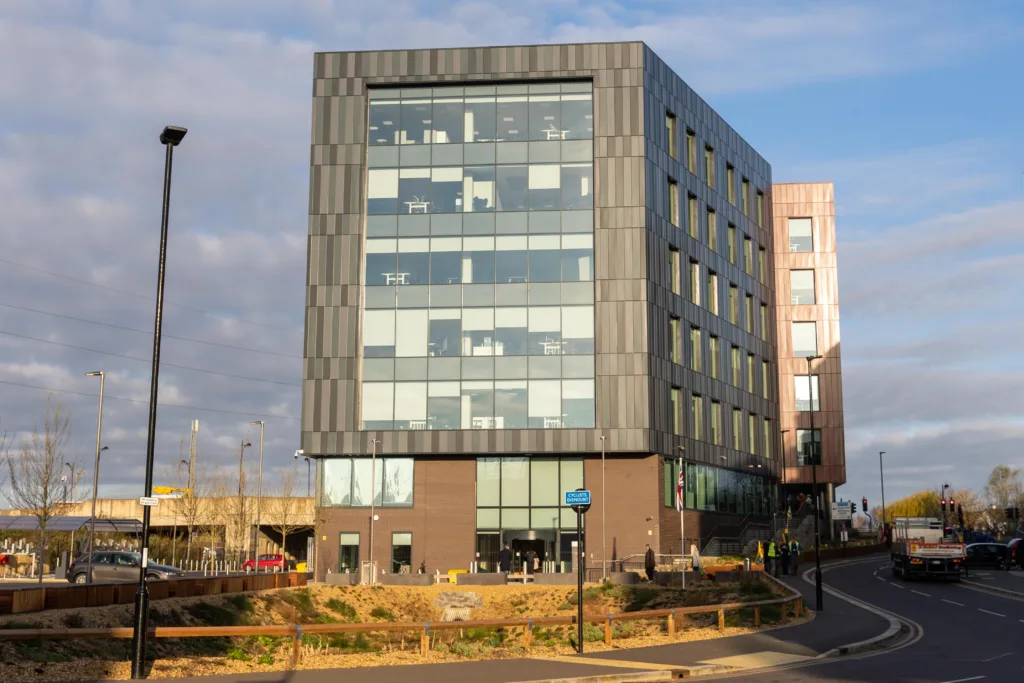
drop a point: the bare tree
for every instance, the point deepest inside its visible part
(36, 483)
(285, 510)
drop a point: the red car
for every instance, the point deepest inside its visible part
(267, 563)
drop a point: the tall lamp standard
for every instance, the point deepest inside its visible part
(815, 448)
(243, 444)
(308, 468)
(170, 138)
(373, 496)
(881, 473)
(604, 532)
(96, 468)
(259, 496)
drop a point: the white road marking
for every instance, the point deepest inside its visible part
(992, 659)
(880, 578)
(896, 584)
(996, 614)
(920, 593)
(964, 680)
(958, 604)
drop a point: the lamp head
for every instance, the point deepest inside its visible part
(257, 422)
(95, 373)
(246, 445)
(172, 135)
(105, 448)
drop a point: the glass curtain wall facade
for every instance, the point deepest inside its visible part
(714, 489)
(479, 267)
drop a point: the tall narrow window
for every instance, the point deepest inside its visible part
(806, 393)
(695, 282)
(751, 359)
(712, 230)
(401, 552)
(764, 322)
(348, 552)
(801, 286)
(762, 265)
(737, 428)
(674, 339)
(748, 317)
(745, 196)
(673, 201)
(730, 181)
(765, 384)
(734, 304)
(709, 166)
(732, 243)
(691, 151)
(712, 292)
(675, 408)
(694, 213)
(808, 447)
(752, 432)
(697, 415)
(769, 435)
(760, 207)
(673, 142)
(716, 423)
(695, 349)
(673, 276)
(800, 235)
(737, 371)
(714, 355)
(805, 339)
(748, 255)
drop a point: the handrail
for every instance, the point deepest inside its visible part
(297, 631)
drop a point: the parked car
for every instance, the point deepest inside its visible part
(267, 563)
(1015, 552)
(117, 566)
(993, 555)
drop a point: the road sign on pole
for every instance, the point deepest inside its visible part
(841, 511)
(579, 497)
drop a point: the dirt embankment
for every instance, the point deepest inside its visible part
(106, 658)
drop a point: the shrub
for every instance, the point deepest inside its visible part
(238, 654)
(241, 603)
(343, 608)
(382, 613)
(214, 615)
(74, 620)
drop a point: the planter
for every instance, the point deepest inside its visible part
(342, 579)
(406, 579)
(489, 579)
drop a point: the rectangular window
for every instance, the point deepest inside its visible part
(670, 129)
(697, 415)
(748, 256)
(760, 207)
(401, 552)
(709, 166)
(736, 360)
(762, 265)
(691, 151)
(730, 181)
(716, 423)
(808, 447)
(695, 349)
(805, 339)
(348, 553)
(675, 408)
(750, 372)
(745, 196)
(695, 282)
(748, 317)
(673, 201)
(674, 340)
(769, 434)
(346, 482)
(714, 353)
(712, 230)
(673, 264)
(732, 243)
(712, 292)
(694, 213)
(764, 322)
(801, 238)
(734, 304)
(765, 384)
(801, 286)
(752, 432)
(737, 429)
(806, 393)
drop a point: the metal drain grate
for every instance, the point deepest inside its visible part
(455, 614)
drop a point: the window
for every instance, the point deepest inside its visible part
(401, 552)
(712, 231)
(671, 128)
(712, 292)
(769, 435)
(800, 236)
(737, 429)
(694, 225)
(674, 340)
(760, 207)
(714, 355)
(674, 275)
(346, 482)
(732, 243)
(697, 415)
(808, 447)
(348, 553)
(752, 432)
(673, 201)
(734, 304)
(765, 376)
(764, 322)
(805, 339)
(745, 196)
(748, 256)
(695, 349)
(709, 166)
(750, 372)
(675, 408)
(801, 388)
(801, 285)
(762, 265)
(748, 318)
(695, 282)
(737, 371)
(716, 423)
(730, 181)
(691, 151)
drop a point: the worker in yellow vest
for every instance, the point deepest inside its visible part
(772, 566)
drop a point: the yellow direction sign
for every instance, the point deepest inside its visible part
(168, 490)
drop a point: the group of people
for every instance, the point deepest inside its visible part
(783, 556)
(530, 560)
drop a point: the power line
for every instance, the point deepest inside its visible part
(143, 296)
(162, 405)
(147, 360)
(146, 332)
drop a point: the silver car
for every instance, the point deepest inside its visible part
(117, 566)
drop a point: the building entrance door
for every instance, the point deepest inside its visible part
(542, 543)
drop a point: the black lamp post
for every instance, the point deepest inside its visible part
(170, 138)
(815, 447)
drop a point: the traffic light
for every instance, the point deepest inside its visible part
(943, 506)
(952, 505)
(960, 514)
(864, 504)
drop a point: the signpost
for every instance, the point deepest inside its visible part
(579, 501)
(841, 511)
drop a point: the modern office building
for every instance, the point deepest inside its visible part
(806, 284)
(531, 270)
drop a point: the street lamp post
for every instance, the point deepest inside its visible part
(169, 138)
(174, 537)
(373, 495)
(783, 499)
(259, 497)
(604, 506)
(96, 468)
(815, 456)
(243, 444)
(881, 473)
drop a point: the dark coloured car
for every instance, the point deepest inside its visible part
(1015, 552)
(117, 566)
(987, 555)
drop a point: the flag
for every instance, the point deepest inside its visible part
(680, 487)
(760, 553)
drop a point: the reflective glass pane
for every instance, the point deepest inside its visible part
(378, 334)
(488, 481)
(448, 121)
(545, 260)
(571, 475)
(478, 332)
(577, 186)
(513, 118)
(336, 485)
(544, 518)
(577, 117)
(382, 186)
(363, 472)
(515, 481)
(478, 188)
(510, 404)
(413, 269)
(444, 336)
(414, 190)
(478, 405)
(445, 267)
(512, 259)
(545, 404)
(398, 481)
(384, 117)
(545, 336)
(480, 123)
(510, 331)
(578, 403)
(415, 122)
(578, 259)
(446, 190)
(545, 117)
(800, 237)
(545, 186)
(488, 519)
(443, 405)
(512, 188)
(544, 482)
(414, 339)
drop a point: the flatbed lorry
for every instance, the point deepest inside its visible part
(921, 548)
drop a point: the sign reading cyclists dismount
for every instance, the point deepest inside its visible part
(579, 498)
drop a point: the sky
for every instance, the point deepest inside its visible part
(913, 109)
